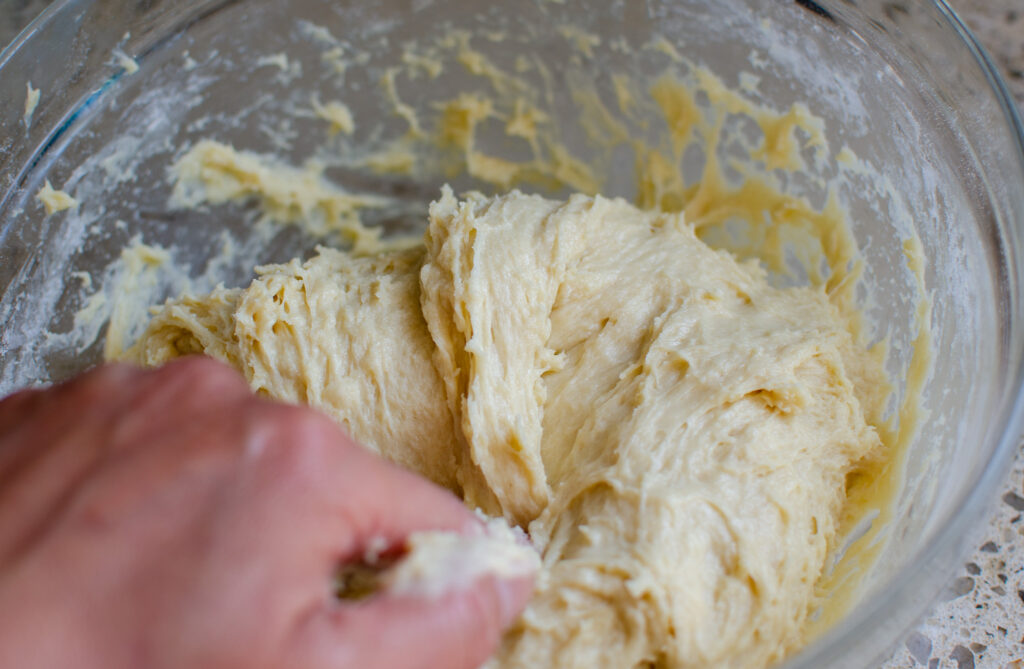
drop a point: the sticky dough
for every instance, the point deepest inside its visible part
(674, 433)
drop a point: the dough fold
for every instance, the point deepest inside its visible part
(674, 432)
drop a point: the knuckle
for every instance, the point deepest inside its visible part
(295, 438)
(19, 402)
(98, 384)
(113, 371)
(203, 371)
(198, 381)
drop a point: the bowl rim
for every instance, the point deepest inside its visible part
(8, 50)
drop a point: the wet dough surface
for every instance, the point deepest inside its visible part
(674, 433)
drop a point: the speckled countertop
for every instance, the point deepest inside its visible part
(979, 618)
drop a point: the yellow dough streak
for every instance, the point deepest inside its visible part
(216, 173)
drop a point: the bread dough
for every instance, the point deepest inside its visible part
(54, 200)
(674, 432)
(31, 102)
(439, 562)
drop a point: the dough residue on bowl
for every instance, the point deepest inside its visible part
(55, 200)
(31, 102)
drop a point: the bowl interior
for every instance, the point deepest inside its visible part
(904, 153)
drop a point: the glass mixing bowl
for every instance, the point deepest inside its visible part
(903, 84)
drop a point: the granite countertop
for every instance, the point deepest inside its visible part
(979, 618)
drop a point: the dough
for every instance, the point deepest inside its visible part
(673, 432)
(54, 200)
(31, 102)
(438, 562)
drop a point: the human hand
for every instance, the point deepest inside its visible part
(169, 518)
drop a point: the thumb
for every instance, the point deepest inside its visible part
(418, 629)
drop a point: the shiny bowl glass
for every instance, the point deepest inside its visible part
(903, 84)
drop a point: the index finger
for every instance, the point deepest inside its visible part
(330, 501)
(457, 629)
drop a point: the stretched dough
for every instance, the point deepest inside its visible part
(674, 433)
